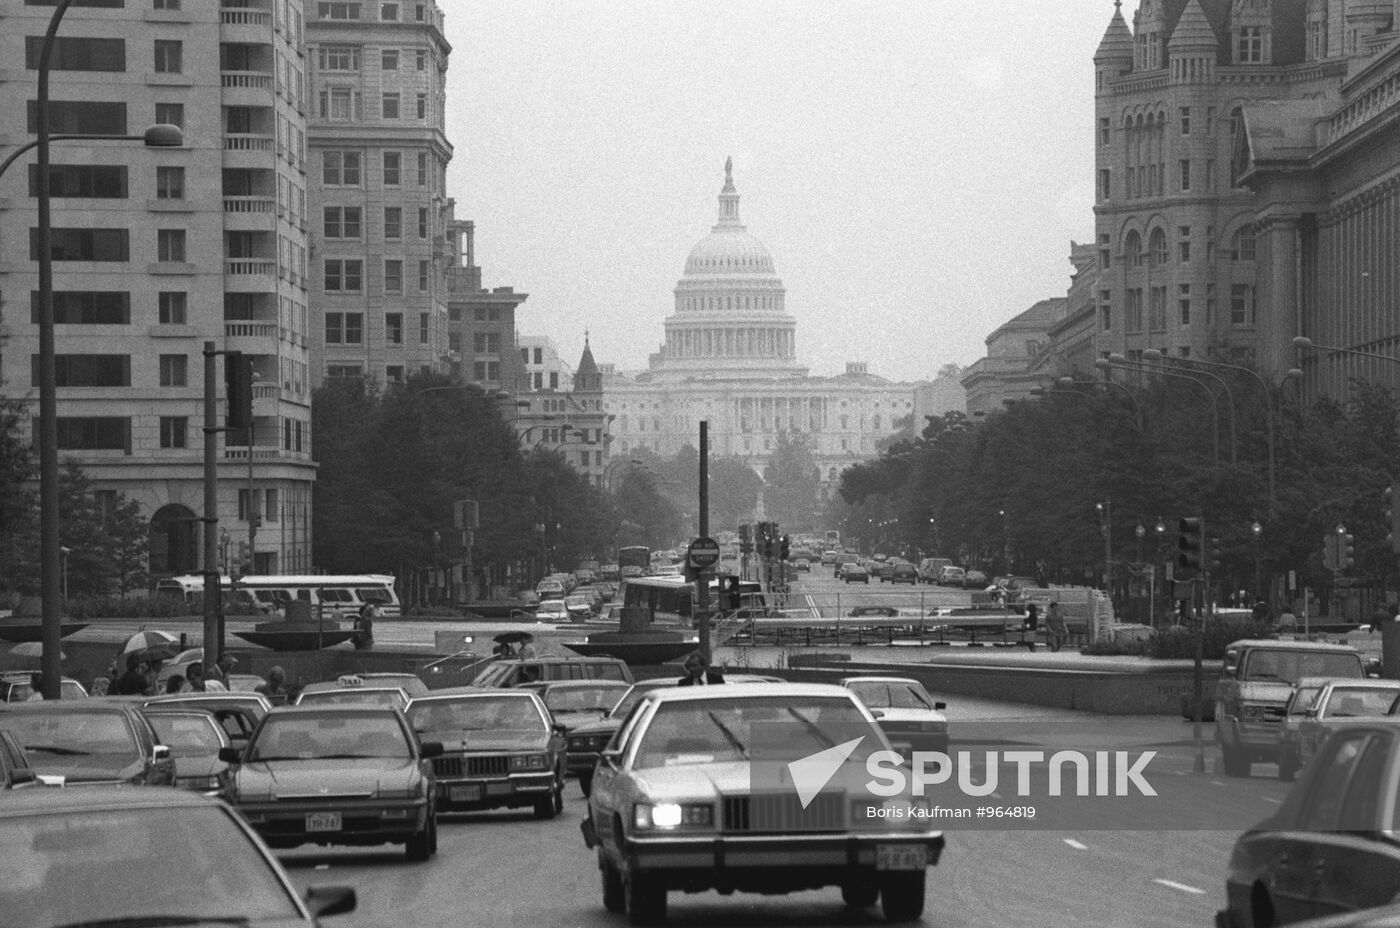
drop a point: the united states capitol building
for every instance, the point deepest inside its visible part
(730, 357)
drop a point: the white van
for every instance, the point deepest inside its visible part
(930, 567)
(1087, 611)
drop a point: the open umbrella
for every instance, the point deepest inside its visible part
(33, 649)
(154, 639)
(513, 637)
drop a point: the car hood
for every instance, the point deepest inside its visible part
(1265, 691)
(290, 779)
(698, 782)
(906, 716)
(474, 741)
(93, 768)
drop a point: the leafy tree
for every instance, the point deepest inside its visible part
(129, 531)
(791, 484)
(734, 492)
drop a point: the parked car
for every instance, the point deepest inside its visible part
(549, 589)
(505, 752)
(195, 739)
(930, 567)
(674, 804)
(539, 670)
(855, 573)
(1328, 849)
(904, 710)
(975, 580)
(89, 742)
(1316, 707)
(1256, 679)
(338, 774)
(14, 687)
(904, 573)
(552, 610)
(951, 576)
(112, 856)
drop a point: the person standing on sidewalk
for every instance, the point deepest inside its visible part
(1056, 626)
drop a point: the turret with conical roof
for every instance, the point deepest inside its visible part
(1114, 57)
(587, 379)
(1194, 47)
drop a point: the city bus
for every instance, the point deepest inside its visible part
(833, 539)
(671, 599)
(341, 595)
(633, 560)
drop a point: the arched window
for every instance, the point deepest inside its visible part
(1158, 248)
(1132, 249)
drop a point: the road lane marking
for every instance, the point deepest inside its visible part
(1172, 884)
(1076, 845)
(323, 866)
(1277, 802)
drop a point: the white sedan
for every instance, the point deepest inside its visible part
(552, 610)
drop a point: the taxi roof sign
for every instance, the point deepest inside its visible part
(350, 679)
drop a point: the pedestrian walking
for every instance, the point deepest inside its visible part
(1032, 622)
(364, 627)
(134, 682)
(221, 669)
(275, 689)
(1056, 626)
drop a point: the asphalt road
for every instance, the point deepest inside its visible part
(507, 869)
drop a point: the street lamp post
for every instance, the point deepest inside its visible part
(49, 555)
(1257, 531)
(1005, 540)
(1105, 511)
(1161, 529)
(1117, 360)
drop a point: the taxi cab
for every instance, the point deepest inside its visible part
(352, 689)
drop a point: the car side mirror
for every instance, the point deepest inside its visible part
(430, 749)
(22, 776)
(159, 753)
(611, 757)
(559, 728)
(940, 706)
(1373, 667)
(330, 900)
(231, 755)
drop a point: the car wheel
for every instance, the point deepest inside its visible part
(550, 805)
(614, 896)
(646, 901)
(585, 782)
(902, 896)
(859, 895)
(418, 847)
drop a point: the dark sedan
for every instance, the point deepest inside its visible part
(500, 750)
(195, 739)
(112, 856)
(89, 742)
(1329, 849)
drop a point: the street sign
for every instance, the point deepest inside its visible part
(702, 553)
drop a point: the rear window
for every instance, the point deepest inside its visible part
(1291, 666)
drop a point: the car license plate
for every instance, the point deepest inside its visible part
(465, 793)
(900, 857)
(323, 821)
(499, 789)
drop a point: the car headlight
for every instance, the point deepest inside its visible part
(665, 816)
(529, 762)
(197, 782)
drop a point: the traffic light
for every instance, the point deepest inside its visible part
(1190, 544)
(745, 539)
(1329, 551)
(1346, 550)
(786, 548)
(245, 558)
(1212, 554)
(238, 386)
(1392, 518)
(733, 599)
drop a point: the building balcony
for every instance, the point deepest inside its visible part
(260, 81)
(250, 275)
(251, 214)
(251, 337)
(249, 150)
(247, 25)
(265, 455)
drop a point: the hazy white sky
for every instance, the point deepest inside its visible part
(917, 168)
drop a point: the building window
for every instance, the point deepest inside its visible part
(344, 329)
(338, 103)
(170, 245)
(170, 183)
(393, 222)
(389, 59)
(489, 371)
(389, 12)
(1104, 130)
(337, 10)
(1210, 120)
(343, 371)
(1242, 304)
(423, 272)
(422, 169)
(1250, 47)
(539, 355)
(1183, 302)
(393, 275)
(1105, 184)
(390, 109)
(1183, 245)
(393, 328)
(340, 168)
(73, 53)
(1105, 252)
(1210, 175)
(83, 245)
(1186, 120)
(270, 509)
(174, 431)
(1210, 304)
(85, 307)
(79, 117)
(174, 370)
(421, 61)
(344, 276)
(422, 104)
(1132, 316)
(1243, 249)
(171, 114)
(486, 342)
(94, 433)
(1159, 248)
(424, 328)
(1105, 310)
(393, 161)
(1210, 244)
(1185, 169)
(169, 56)
(554, 380)
(94, 181)
(1133, 248)
(339, 58)
(423, 222)
(341, 221)
(172, 304)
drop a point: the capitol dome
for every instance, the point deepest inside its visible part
(729, 249)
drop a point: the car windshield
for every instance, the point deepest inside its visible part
(72, 733)
(111, 865)
(299, 736)
(1291, 666)
(631, 698)
(1354, 702)
(886, 694)
(187, 735)
(1303, 700)
(719, 730)
(353, 697)
(582, 698)
(476, 713)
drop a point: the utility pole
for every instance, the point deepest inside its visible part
(702, 577)
(213, 630)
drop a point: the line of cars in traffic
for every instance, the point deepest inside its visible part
(374, 759)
